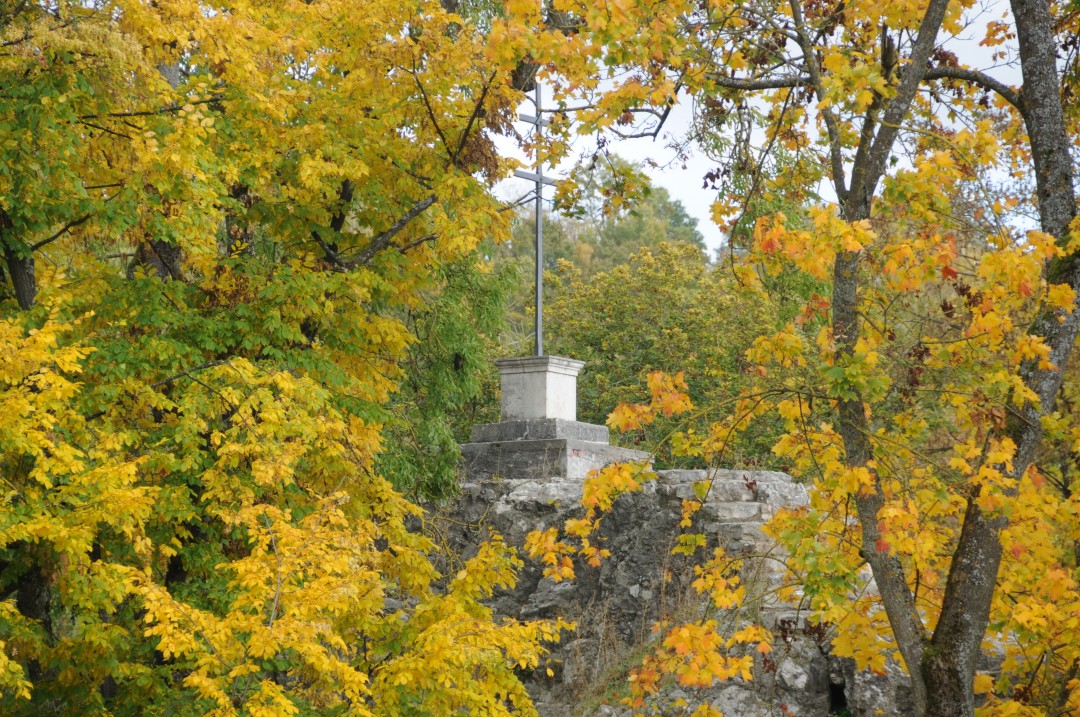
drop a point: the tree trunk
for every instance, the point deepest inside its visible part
(21, 270)
(161, 257)
(853, 424)
(20, 264)
(950, 660)
(33, 595)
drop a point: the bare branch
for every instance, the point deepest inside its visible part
(761, 83)
(520, 201)
(655, 131)
(418, 242)
(329, 250)
(106, 130)
(160, 111)
(182, 374)
(382, 241)
(431, 114)
(836, 156)
(899, 105)
(472, 119)
(278, 579)
(64, 230)
(73, 223)
(1013, 97)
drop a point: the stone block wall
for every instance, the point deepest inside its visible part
(617, 604)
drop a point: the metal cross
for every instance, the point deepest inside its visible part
(540, 180)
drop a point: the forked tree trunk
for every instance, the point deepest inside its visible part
(943, 665)
(877, 138)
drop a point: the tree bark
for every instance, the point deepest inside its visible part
(239, 231)
(33, 594)
(21, 270)
(20, 264)
(163, 258)
(950, 660)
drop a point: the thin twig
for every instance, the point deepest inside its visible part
(472, 119)
(418, 242)
(431, 114)
(277, 588)
(64, 230)
(161, 111)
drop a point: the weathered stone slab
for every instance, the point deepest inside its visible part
(538, 429)
(540, 459)
(780, 495)
(724, 489)
(533, 495)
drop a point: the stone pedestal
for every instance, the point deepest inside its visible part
(539, 437)
(552, 458)
(539, 387)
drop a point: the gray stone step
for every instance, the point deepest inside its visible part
(539, 429)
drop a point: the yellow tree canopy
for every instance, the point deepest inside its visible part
(214, 219)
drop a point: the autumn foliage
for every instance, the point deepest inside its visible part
(218, 223)
(937, 203)
(215, 222)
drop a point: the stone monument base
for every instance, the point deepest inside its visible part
(540, 448)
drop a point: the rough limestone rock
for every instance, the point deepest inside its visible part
(616, 605)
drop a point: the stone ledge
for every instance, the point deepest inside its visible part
(538, 429)
(768, 487)
(541, 459)
(539, 364)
